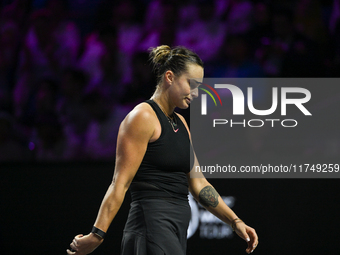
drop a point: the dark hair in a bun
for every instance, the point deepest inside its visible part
(176, 59)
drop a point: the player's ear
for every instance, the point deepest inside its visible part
(169, 77)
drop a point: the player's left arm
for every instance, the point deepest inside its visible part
(208, 197)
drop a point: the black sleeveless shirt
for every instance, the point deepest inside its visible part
(162, 173)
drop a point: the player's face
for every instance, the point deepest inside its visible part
(182, 91)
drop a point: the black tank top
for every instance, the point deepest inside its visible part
(162, 173)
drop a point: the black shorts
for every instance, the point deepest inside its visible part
(156, 227)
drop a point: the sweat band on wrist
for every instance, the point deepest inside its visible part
(100, 233)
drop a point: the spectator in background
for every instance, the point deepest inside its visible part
(140, 89)
(308, 20)
(301, 55)
(100, 61)
(236, 61)
(275, 45)
(66, 34)
(50, 45)
(287, 52)
(187, 14)
(238, 16)
(160, 24)
(261, 27)
(89, 61)
(127, 19)
(110, 83)
(41, 101)
(206, 32)
(101, 133)
(38, 57)
(83, 12)
(70, 108)
(49, 140)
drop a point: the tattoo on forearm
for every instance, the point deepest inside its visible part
(208, 196)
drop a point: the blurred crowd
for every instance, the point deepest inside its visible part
(71, 70)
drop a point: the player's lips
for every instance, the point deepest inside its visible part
(188, 100)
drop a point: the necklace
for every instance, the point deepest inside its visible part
(172, 120)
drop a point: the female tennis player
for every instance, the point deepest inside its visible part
(153, 162)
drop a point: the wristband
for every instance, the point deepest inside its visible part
(100, 233)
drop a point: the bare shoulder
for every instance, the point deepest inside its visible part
(142, 111)
(141, 120)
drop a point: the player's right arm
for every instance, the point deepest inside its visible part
(135, 132)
